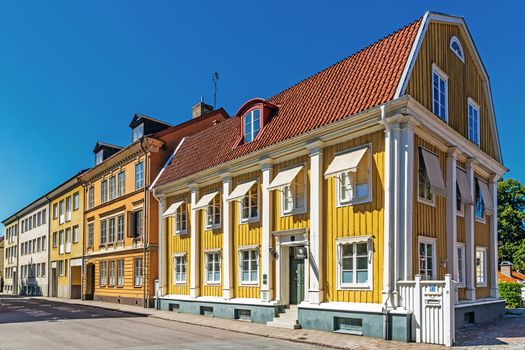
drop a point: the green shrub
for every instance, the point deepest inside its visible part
(511, 292)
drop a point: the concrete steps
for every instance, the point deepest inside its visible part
(288, 319)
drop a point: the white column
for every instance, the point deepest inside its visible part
(194, 245)
(315, 294)
(227, 287)
(451, 214)
(267, 289)
(493, 249)
(470, 249)
(406, 197)
(163, 245)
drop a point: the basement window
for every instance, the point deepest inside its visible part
(243, 314)
(207, 311)
(349, 325)
(174, 307)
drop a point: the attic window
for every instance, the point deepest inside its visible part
(455, 45)
(138, 132)
(252, 124)
(99, 157)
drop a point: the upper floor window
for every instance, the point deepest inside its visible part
(121, 183)
(99, 157)
(250, 205)
(75, 201)
(293, 194)
(91, 197)
(473, 121)
(213, 213)
(252, 125)
(439, 93)
(479, 202)
(68, 209)
(139, 175)
(181, 219)
(112, 189)
(457, 48)
(430, 177)
(138, 132)
(104, 191)
(61, 213)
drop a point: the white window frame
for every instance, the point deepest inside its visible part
(111, 273)
(431, 241)
(139, 180)
(183, 262)
(104, 191)
(340, 242)
(112, 187)
(120, 276)
(91, 197)
(103, 282)
(75, 234)
(291, 187)
(138, 279)
(421, 161)
(121, 183)
(249, 282)
(460, 209)
(460, 55)
(461, 263)
(61, 213)
(213, 207)
(352, 177)
(253, 134)
(441, 74)
(483, 283)
(68, 208)
(475, 106)
(482, 219)
(249, 195)
(137, 132)
(99, 157)
(207, 256)
(177, 220)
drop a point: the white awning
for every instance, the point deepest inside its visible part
(284, 178)
(437, 184)
(486, 196)
(172, 209)
(240, 191)
(464, 188)
(345, 162)
(205, 200)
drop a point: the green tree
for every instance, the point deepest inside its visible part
(511, 222)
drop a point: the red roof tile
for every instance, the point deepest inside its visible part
(516, 277)
(364, 80)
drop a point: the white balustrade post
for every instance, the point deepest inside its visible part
(194, 245)
(448, 311)
(418, 300)
(493, 249)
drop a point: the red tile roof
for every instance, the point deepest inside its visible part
(362, 81)
(516, 277)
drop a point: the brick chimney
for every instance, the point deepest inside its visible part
(506, 268)
(200, 109)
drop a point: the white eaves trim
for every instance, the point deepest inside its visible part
(166, 165)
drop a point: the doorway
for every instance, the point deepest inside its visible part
(296, 275)
(90, 282)
(54, 282)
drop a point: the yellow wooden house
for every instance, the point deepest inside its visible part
(360, 200)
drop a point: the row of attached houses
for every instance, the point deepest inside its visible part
(360, 200)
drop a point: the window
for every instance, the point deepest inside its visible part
(120, 228)
(55, 211)
(112, 187)
(427, 258)
(137, 272)
(181, 219)
(179, 262)
(99, 157)
(461, 264)
(68, 209)
(111, 273)
(75, 201)
(424, 187)
(354, 263)
(250, 205)
(61, 267)
(139, 175)
(473, 121)
(44, 243)
(60, 211)
(293, 196)
(55, 244)
(91, 197)
(104, 191)
(481, 267)
(39, 218)
(455, 46)
(138, 132)
(103, 232)
(480, 206)
(213, 268)
(252, 125)
(439, 93)
(121, 183)
(460, 206)
(111, 236)
(102, 273)
(75, 234)
(38, 244)
(249, 266)
(138, 224)
(213, 213)
(120, 273)
(354, 186)
(61, 241)
(68, 240)
(91, 235)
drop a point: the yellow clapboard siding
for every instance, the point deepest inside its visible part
(482, 239)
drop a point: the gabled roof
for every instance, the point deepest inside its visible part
(362, 81)
(516, 277)
(99, 145)
(137, 118)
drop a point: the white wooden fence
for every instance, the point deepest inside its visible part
(432, 305)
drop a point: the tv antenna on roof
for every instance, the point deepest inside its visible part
(215, 78)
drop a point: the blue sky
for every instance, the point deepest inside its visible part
(73, 73)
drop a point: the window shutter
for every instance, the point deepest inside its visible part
(131, 225)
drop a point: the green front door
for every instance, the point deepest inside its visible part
(296, 279)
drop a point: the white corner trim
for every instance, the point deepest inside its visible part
(152, 186)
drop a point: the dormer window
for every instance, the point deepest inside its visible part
(99, 157)
(252, 125)
(138, 132)
(455, 45)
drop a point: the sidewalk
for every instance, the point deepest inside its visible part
(307, 336)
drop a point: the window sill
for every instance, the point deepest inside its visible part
(214, 227)
(180, 233)
(431, 203)
(461, 285)
(483, 285)
(249, 284)
(353, 202)
(137, 286)
(354, 287)
(248, 221)
(294, 212)
(180, 283)
(212, 283)
(461, 214)
(481, 221)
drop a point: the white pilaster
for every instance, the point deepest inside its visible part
(227, 285)
(470, 252)
(194, 245)
(315, 294)
(407, 192)
(267, 290)
(451, 214)
(163, 245)
(493, 249)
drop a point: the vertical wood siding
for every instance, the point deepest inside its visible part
(482, 239)
(354, 220)
(465, 80)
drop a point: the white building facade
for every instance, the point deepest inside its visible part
(10, 255)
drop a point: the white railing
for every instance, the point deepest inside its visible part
(432, 305)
